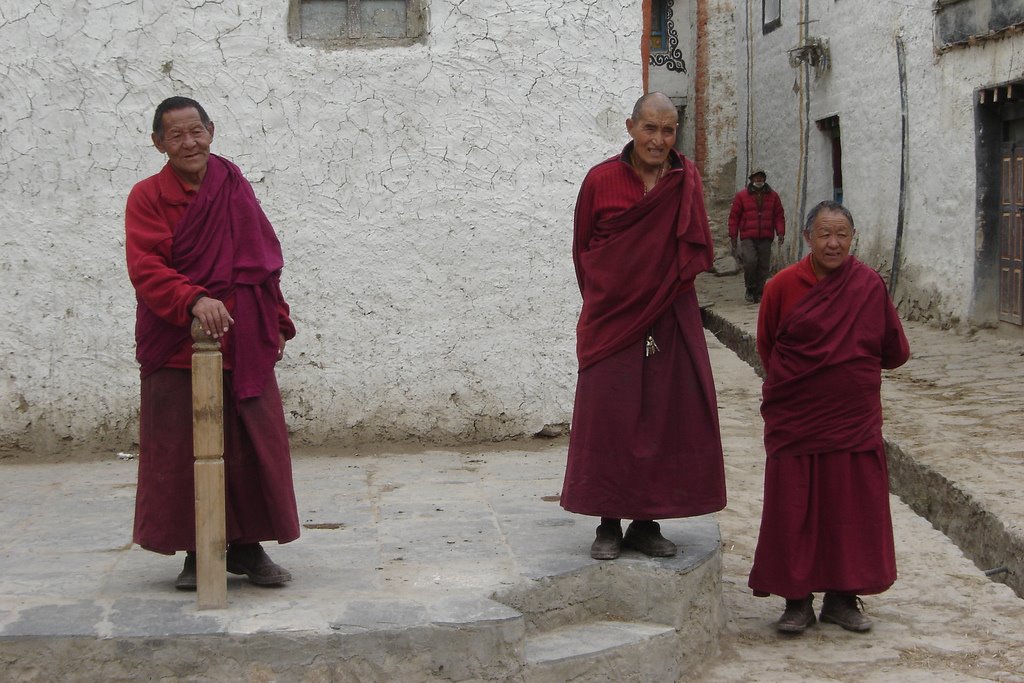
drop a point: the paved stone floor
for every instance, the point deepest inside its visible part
(407, 526)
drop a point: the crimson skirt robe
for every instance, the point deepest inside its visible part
(260, 497)
(644, 440)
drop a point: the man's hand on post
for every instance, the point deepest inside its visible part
(280, 346)
(213, 316)
(782, 238)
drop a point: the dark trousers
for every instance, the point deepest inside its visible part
(756, 256)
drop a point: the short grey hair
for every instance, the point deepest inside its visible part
(830, 206)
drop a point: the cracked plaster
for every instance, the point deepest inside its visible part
(423, 196)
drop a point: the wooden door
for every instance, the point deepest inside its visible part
(1011, 244)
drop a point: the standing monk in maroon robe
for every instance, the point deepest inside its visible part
(825, 331)
(199, 246)
(645, 442)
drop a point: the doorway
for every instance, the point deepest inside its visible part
(999, 243)
(1011, 245)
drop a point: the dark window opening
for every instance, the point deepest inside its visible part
(771, 15)
(830, 127)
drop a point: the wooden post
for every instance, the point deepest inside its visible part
(208, 448)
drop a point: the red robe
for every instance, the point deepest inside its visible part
(217, 241)
(826, 524)
(645, 441)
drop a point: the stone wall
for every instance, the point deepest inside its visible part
(423, 196)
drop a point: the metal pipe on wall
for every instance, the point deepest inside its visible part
(897, 249)
(805, 122)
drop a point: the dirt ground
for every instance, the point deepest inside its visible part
(942, 621)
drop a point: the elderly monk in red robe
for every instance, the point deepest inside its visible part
(825, 331)
(645, 442)
(199, 246)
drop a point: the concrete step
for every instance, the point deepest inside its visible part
(586, 640)
(604, 650)
(682, 591)
(403, 591)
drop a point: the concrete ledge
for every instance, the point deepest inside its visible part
(435, 566)
(983, 537)
(452, 640)
(607, 651)
(735, 338)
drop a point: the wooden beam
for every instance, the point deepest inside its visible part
(208, 448)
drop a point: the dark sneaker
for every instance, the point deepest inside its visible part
(608, 543)
(844, 610)
(186, 580)
(798, 616)
(251, 560)
(645, 536)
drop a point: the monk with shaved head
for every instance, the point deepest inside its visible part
(644, 443)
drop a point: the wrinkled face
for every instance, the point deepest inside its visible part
(186, 141)
(829, 240)
(758, 180)
(654, 134)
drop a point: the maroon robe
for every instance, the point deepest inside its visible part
(222, 244)
(826, 523)
(240, 259)
(645, 441)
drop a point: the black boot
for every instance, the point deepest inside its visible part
(186, 580)
(251, 560)
(798, 616)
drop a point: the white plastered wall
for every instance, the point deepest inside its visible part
(423, 197)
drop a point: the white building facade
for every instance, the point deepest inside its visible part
(419, 160)
(904, 112)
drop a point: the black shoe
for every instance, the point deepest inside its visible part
(844, 610)
(186, 580)
(608, 543)
(645, 536)
(251, 560)
(798, 616)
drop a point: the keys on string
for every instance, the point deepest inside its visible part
(650, 347)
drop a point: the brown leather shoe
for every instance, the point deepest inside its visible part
(645, 536)
(798, 616)
(844, 610)
(186, 580)
(608, 543)
(251, 560)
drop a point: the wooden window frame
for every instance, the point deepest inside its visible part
(416, 28)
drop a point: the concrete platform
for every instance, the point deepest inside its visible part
(430, 566)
